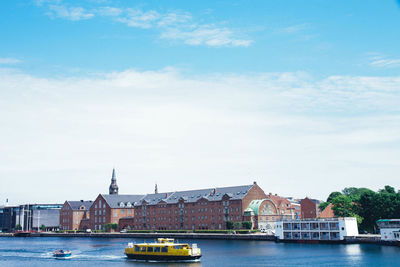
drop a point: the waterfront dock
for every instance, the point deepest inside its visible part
(215, 236)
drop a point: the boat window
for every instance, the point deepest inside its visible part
(143, 249)
(137, 249)
(150, 249)
(157, 249)
(164, 249)
(177, 247)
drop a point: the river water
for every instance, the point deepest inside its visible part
(37, 251)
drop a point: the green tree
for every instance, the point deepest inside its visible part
(323, 205)
(237, 225)
(43, 227)
(247, 225)
(229, 225)
(355, 193)
(114, 226)
(342, 206)
(108, 227)
(18, 227)
(332, 196)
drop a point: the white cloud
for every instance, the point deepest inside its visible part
(173, 25)
(379, 60)
(174, 18)
(140, 19)
(110, 11)
(384, 62)
(292, 133)
(9, 60)
(205, 35)
(69, 13)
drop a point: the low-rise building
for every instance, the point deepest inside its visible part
(390, 229)
(264, 213)
(109, 209)
(195, 209)
(72, 213)
(34, 216)
(309, 208)
(327, 212)
(317, 229)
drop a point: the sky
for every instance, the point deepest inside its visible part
(301, 96)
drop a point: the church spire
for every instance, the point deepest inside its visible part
(156, 190)
(113, 186)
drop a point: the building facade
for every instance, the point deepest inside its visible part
(72, 213)
(8, 218)
(264, 213)
(317, 229)
(309, 208)
(390, 229)
(193, 209)
(109, 209)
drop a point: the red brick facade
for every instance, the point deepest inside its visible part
(102, 213)
(72, 213)
(309, 209)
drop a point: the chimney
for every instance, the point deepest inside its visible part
(254, 182)
(81, 200)
(166, 194)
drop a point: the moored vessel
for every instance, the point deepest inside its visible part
(163, 250)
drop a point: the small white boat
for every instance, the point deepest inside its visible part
(62, 253)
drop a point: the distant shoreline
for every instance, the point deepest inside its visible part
(362, 239)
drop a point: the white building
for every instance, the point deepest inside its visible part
(316, 229)
(390, 229)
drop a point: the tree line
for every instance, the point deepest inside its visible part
(366, 205)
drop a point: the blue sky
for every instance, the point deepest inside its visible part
(301, 96)
(320, 37)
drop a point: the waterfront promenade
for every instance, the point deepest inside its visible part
(360, 239)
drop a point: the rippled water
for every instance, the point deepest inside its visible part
(37, 251)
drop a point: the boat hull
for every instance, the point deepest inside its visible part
(62, 256)
(162, 257)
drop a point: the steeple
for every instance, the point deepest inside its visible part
(156, 190)
(113, 186)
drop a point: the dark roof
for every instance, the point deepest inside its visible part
(114, 201)
(152, 199)
(211, 194)
(75, 205)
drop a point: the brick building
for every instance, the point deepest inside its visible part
(110, 208)
(327, 212)
(264, 213)
(187, 210)
(193, 209)
(72, 213)
(309, 208)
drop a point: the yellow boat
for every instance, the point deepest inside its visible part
(163, 250)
